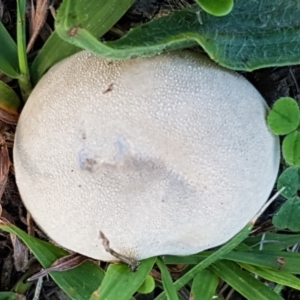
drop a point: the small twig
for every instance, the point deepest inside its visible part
(267, 205)
(52, 9)
(38, 18)
(62, 264)
(262, 241)
(223, 288)
(199, 18)
(295, 248)
(267, 242)
(230, 293)
(261, 245)
(38, 289)
(131, 262)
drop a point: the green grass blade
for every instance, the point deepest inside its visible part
(9, 100)
(120, 282)
(243, 282)
(9, 296)
(281, 277)
(24, 79)
(21, 286)
(48, 56)
(97, 16)
(272, 241)
(189, 260)
(235, 40)
(75, 283)
(267, 259)
(8, 54)
(204, 285)
(21, 37)
(167, 281)
(216, 255)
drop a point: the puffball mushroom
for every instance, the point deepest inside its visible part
(164, 155)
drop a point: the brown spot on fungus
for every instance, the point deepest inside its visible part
(108, 89)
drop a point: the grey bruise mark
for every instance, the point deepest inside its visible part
(122, 148)
(86, 161)
(90, 160)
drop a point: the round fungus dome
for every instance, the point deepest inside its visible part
(163, 155)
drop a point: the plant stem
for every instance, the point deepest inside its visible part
(24, 79)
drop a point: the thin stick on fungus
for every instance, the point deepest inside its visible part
(131, 262)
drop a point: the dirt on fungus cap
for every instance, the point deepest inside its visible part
(165, 155)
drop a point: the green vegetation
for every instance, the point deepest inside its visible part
(246, 37)
(284, 119)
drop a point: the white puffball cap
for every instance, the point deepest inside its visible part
(165, 155)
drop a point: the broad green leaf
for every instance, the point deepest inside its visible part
(167, 280)
(120, 282)
(291, 148)
(288, 215)
(204, 285)
(8, 54)
(252, 36)
(290, 179)
(147, 286)
(243, 282)
(75, 283)
(284, 116)
(96, 16)
(9, 100)
(280, 277)
(216, 7)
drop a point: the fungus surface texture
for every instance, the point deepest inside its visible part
(164, 155)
